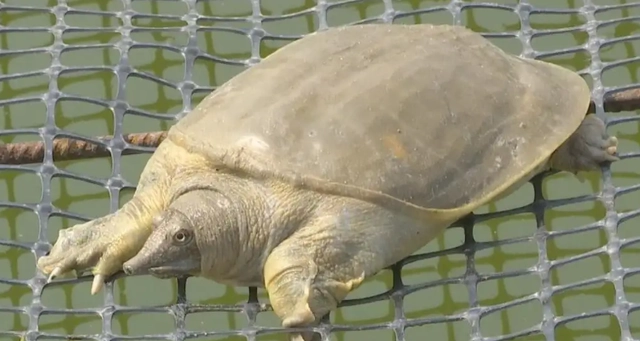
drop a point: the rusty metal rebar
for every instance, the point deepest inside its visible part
(624, 100)
(65, 148)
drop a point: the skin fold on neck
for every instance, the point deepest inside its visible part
(238, 222)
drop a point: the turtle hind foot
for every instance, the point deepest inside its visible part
(587, 149)
(102, 244)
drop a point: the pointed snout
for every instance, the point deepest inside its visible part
(170, 250)
(139, 264)
(163, 261)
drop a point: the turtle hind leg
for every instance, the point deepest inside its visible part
(586, 149)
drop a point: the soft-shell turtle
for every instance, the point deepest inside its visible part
(337, 156)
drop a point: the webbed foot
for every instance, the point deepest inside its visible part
(103, 244)
(299, 292)
(587, 148)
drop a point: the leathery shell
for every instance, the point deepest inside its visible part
(434, 120)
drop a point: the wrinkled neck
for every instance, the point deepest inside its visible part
(229, 215)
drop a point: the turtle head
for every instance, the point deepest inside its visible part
(212, 227)
(170, 251)
(172, 248)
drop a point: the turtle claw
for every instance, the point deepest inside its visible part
(101, 245)
(64, 256)
(612, 148)
(97, 284)
(57, 271)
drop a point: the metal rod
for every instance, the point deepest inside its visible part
(74, 149)
(65, 148)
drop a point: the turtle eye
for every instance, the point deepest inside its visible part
(182, 236)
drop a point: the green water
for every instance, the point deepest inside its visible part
(94, 201)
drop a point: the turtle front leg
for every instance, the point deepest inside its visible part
(302, 288)
(346, 241)
(105, 243)
(586, 149)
